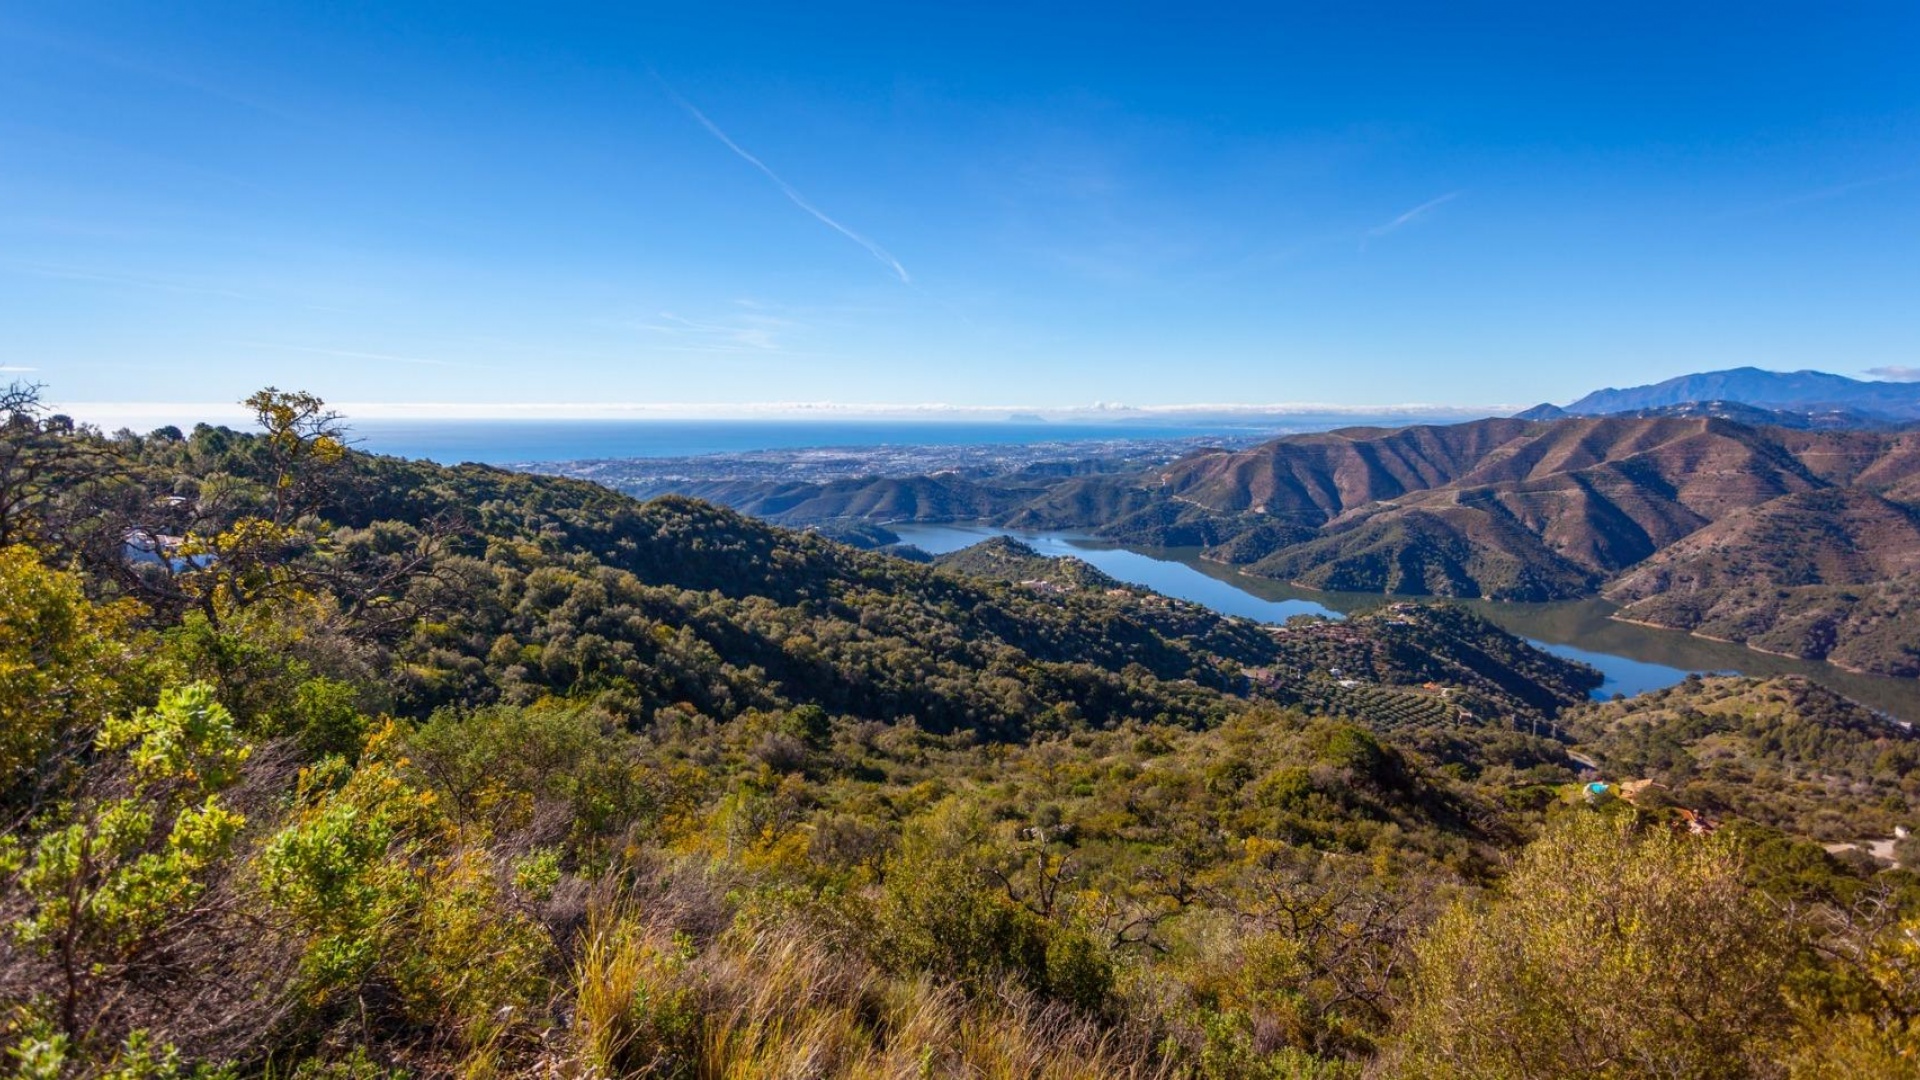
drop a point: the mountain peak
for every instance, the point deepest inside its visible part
(1546, 410)
(1779, 390)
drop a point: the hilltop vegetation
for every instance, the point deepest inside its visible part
(326, 765)
(1005, 559)
(1433, 666)
(1872, 627)
(1781, 752)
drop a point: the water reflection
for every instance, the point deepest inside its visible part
(1633, 658)
(1163, 571)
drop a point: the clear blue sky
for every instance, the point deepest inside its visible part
(1038, 203)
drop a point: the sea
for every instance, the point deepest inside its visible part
(511, 442)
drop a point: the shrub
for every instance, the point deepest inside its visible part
(128, 869)
(1613, 950)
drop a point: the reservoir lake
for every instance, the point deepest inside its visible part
(1634, 659)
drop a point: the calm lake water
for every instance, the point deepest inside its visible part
(1634, 659)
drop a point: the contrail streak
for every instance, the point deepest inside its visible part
(788, 190)
(1413, 215)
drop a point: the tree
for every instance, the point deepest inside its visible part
(371, 881)
(304, 441)
(1322, 943)
(247, 540)
(1614, 950)
(24, 479)
(940, 911)
(47, 469)
(246, 554)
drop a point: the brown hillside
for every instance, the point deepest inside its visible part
(1829, 537)
(1509, 508)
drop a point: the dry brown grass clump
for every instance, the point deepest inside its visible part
(772, 1001)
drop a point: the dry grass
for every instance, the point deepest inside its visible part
(776, 1002)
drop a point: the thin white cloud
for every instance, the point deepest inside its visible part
(1822, 195)
(354, 354)
(16, 369)
(162, 284)
(754, 333)
(788, 190)
(1896, 373)
(1412, 215)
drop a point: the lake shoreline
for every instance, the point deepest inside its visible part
(1635, 657)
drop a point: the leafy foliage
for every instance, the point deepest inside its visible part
(104, 888)
(65, 661)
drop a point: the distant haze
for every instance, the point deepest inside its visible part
(143, 416)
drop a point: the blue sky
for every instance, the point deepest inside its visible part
(1033, 204)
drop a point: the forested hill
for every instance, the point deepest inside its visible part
(321, 765)
(516, 586)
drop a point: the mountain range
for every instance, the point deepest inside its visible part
(1794, 540)
(1754, 395)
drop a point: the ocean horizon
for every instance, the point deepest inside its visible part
(510, 442)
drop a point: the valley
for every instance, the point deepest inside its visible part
(1800, 543)
(1634, 658)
